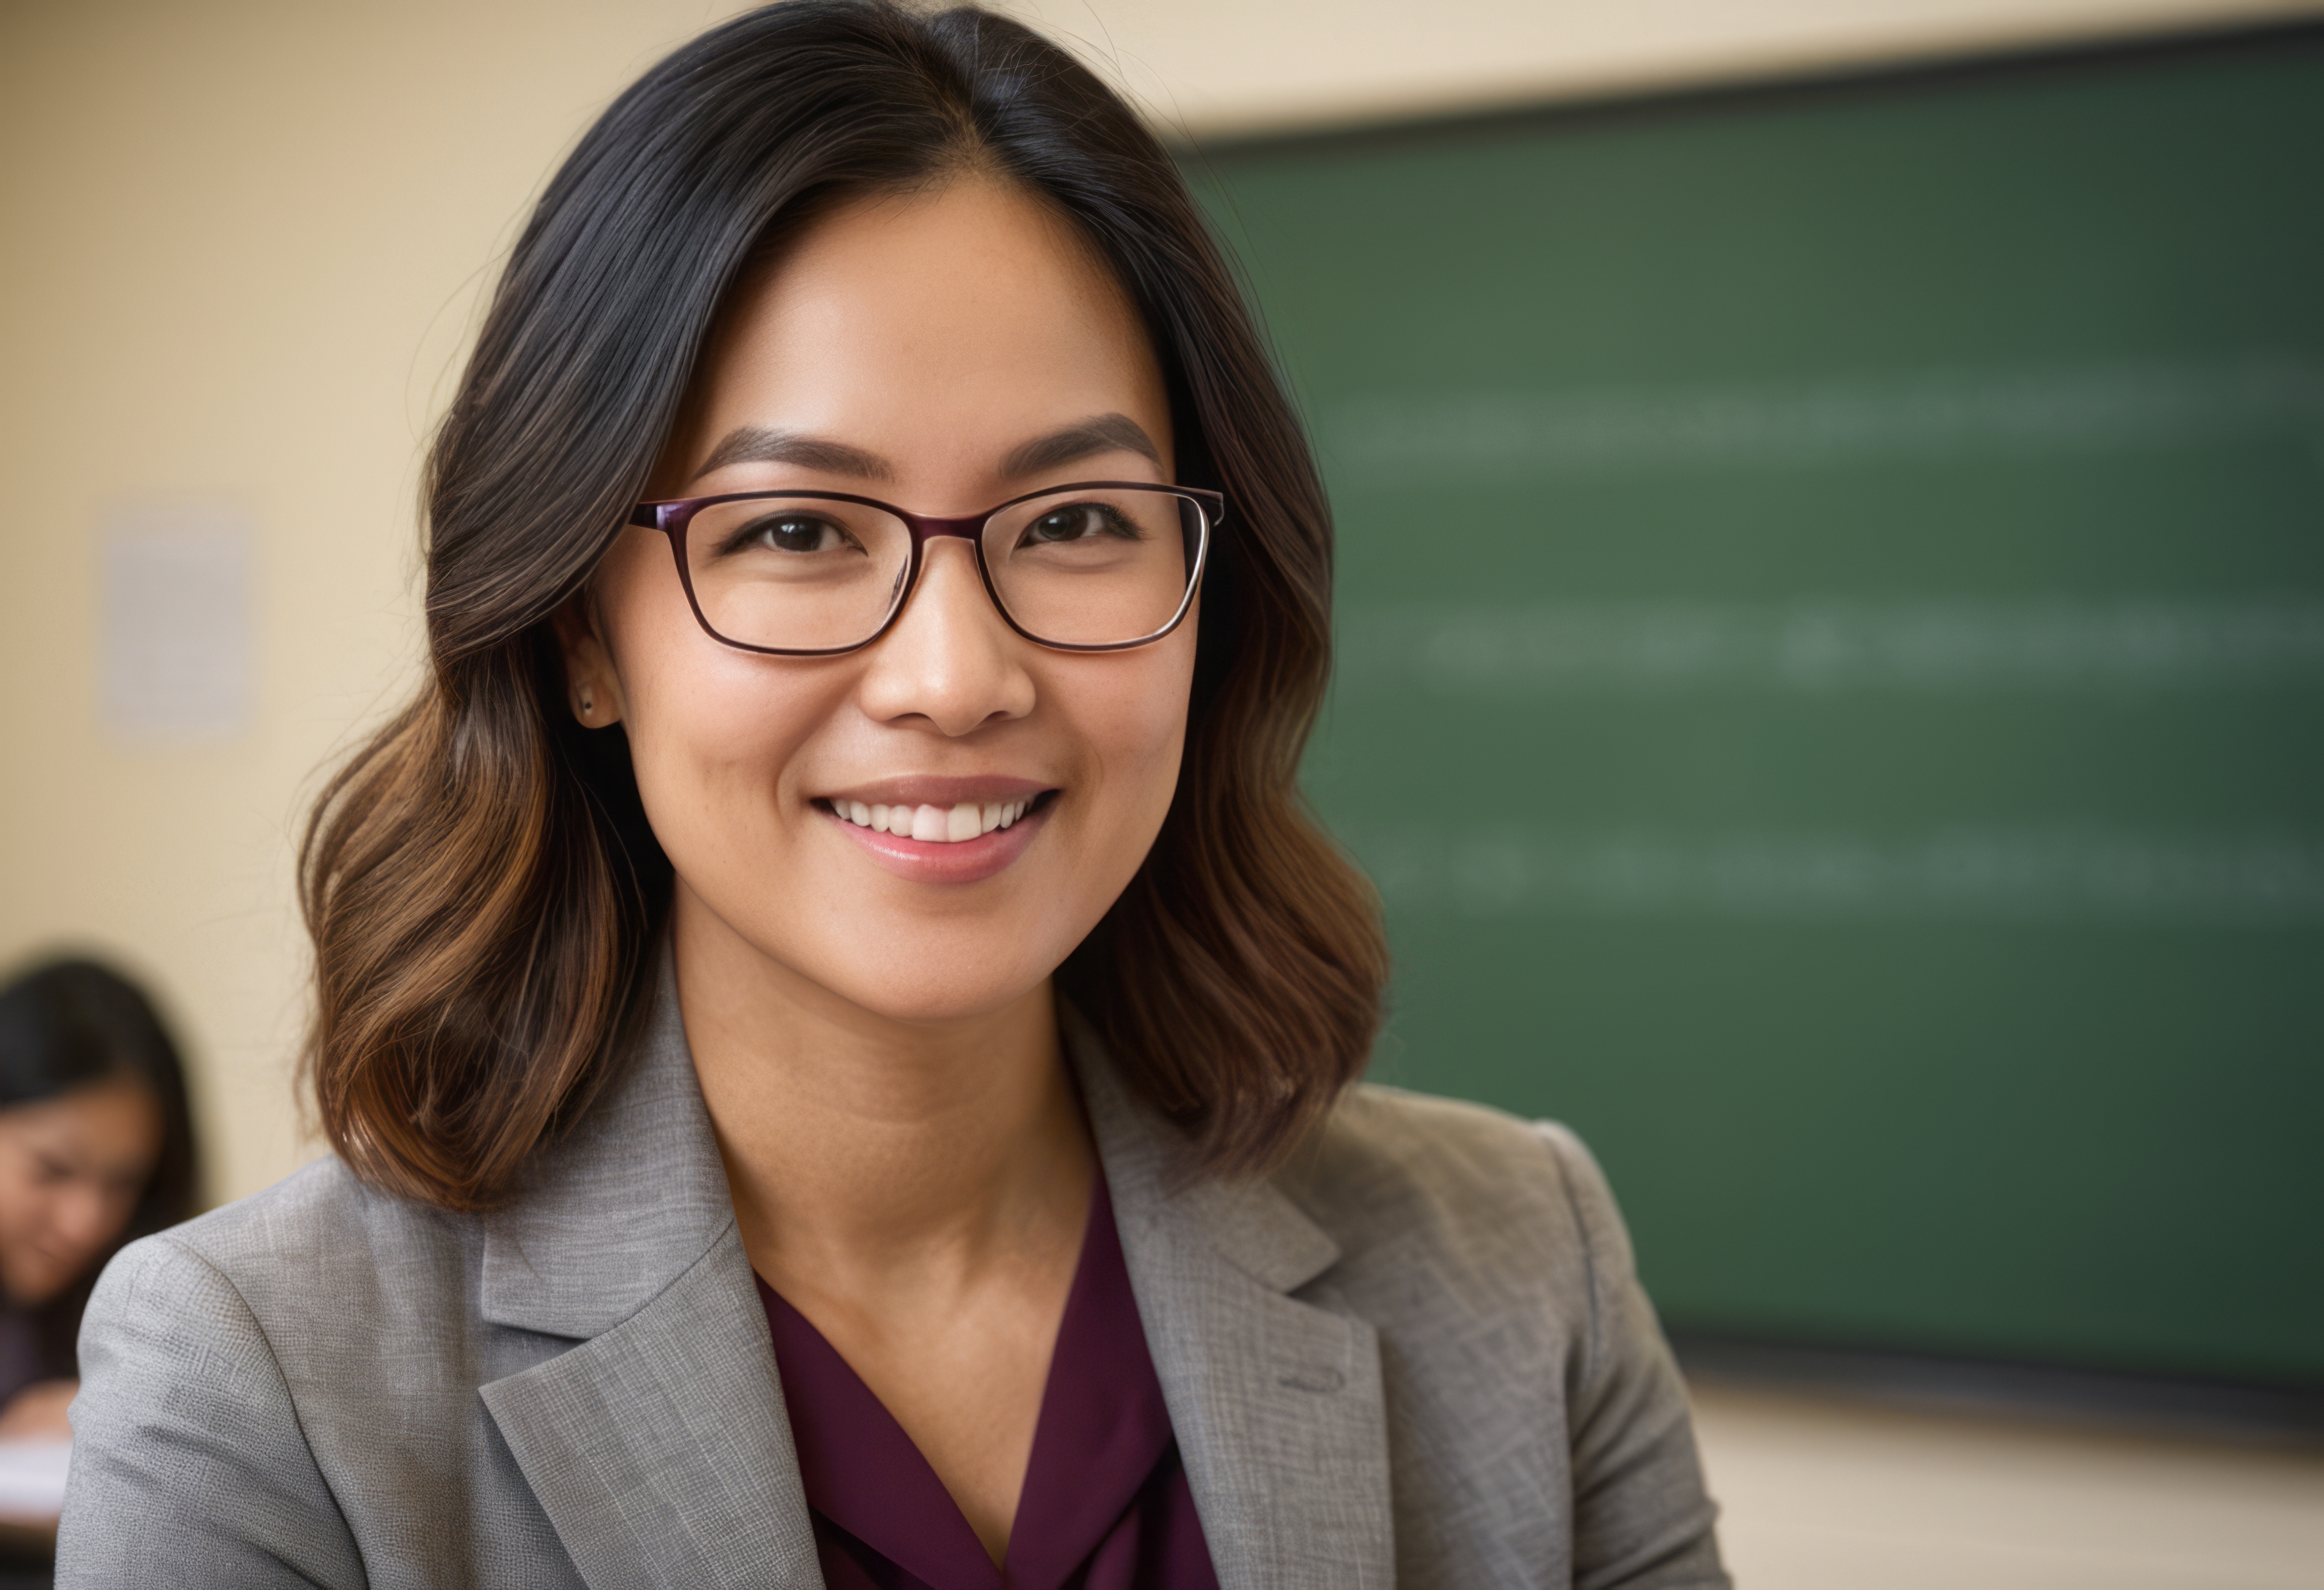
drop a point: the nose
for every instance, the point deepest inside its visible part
(951, 661)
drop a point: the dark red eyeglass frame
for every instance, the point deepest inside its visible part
(672, 516)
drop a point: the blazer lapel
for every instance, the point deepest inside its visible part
(658, 1446)
(1276, 1402)
(660, 1450)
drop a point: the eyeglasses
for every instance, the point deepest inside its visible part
(1100, 566)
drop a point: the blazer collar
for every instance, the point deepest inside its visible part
(612, 1213)
(1276, 1402)
(658, 1446)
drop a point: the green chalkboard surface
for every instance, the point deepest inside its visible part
(1831, 688)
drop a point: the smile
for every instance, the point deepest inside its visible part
(940, 825)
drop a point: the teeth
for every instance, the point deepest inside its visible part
(934, 824)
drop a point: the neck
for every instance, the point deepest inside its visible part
(860, 1148)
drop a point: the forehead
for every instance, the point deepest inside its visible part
(942, 326)
(112, 1116)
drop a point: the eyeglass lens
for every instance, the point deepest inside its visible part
(1088, 567)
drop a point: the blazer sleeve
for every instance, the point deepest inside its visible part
(1642, 1520)
(189, 1466)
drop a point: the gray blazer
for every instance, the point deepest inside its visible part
(1417, 1355)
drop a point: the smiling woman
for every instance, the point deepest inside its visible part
(95, 1146)
(836, 1025)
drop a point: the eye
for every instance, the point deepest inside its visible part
(788, 532)
(1078, 521)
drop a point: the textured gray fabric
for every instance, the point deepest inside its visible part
(1417, 1355)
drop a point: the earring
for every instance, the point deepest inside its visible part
(589, 702)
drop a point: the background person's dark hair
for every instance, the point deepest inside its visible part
(479, 880)
(70, 1024)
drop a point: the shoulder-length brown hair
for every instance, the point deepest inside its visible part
(479, 880)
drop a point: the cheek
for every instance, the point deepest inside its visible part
(712, 731)
(22, 1198)
(713, 746)
(100, 1212)
(1135, 724)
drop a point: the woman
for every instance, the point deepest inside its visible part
(95, 1146)
(834, 1021)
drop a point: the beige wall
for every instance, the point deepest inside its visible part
(242, 248)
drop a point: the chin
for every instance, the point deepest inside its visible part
(945, 1002)
(36, 1294)
(936, 988)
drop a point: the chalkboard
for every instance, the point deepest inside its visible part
(1831, 674)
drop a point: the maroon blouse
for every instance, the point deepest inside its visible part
(1105, 1504)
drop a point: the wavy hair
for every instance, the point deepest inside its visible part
(479, 880)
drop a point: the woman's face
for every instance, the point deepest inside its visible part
(944, 352)
(72, 1170)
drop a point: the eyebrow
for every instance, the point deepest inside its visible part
(1104, 433)
(751, 445)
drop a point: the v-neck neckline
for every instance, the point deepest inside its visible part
(1102, 1428)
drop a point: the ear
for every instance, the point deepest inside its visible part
(593, 691)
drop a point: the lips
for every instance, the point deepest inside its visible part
(942, 830)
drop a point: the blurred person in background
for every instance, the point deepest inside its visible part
(97, 1148)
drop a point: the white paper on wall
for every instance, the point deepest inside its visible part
(179, 618)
